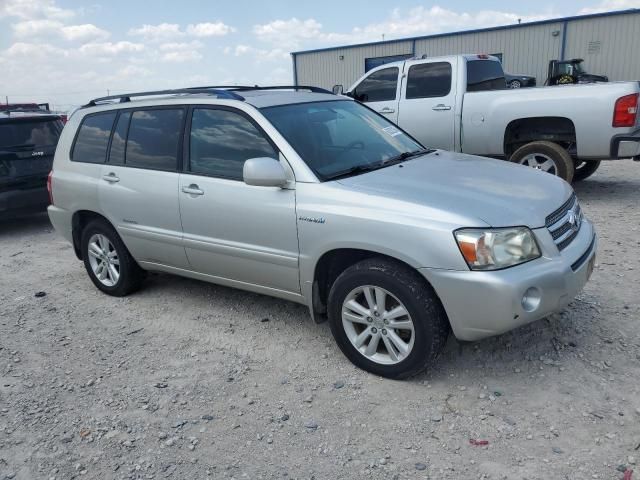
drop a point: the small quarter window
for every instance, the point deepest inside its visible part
(154, 139)
(221, 141)
(93, 138)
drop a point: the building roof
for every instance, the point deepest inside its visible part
(478, 30)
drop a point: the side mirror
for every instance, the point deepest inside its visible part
(337, 89)
(264, 172)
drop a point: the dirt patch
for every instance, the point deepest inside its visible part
(188, 380)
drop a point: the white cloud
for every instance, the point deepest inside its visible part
(258, 53)
(610, 5)
(181, 46)
(183, 56)
(35, 50)
(110, 48)
(34, 9)
(168, 31)
(296, 33)
(159, 32)
(216, 29)
(86, 31)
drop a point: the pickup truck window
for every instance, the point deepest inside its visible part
(485, 75)
(427, 80)
(380, 86)
(338, 136)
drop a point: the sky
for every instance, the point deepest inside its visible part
(66, 52)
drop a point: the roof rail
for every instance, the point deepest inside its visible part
(126, 97)
(283, 87)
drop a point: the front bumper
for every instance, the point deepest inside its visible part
(482, 304)
(626, 146)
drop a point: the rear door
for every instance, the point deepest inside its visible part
(138, 189)
(379, 90)
(427, 102)
(27, 146)
(232, 230)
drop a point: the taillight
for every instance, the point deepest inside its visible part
(625, 111)
(50, 187)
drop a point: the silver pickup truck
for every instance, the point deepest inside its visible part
(460, 103)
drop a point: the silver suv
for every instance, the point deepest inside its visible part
(314, 198)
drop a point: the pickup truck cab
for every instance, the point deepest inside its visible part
(461, 103)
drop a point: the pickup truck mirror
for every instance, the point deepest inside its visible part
(337, 89)
(264, 172)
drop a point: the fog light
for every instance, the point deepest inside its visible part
(531, 299)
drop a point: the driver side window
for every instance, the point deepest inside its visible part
(380, 86)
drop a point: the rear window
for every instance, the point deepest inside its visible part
(31, 132)
(93, 138)
(485, 75)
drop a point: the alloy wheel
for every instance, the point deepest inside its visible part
(540, 161)
(378, 325)
(104, 260)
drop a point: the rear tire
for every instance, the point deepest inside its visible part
(546, 156)
(408, 342)
(109, 264)
(515, 84)
(585, 169)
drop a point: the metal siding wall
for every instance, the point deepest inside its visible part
(325, 69)
(618, 36)
(516, 45)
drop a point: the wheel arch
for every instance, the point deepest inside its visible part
(332, 263)
(521, 131)
(79, 221)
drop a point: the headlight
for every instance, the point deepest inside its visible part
(493, 249)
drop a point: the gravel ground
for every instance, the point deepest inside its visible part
(187, 380)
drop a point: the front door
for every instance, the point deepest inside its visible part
(379, 90)
(427, 103)
(232, 230)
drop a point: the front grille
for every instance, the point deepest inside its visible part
(564, 223)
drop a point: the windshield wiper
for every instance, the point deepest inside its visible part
(354, 171)
(405, 156)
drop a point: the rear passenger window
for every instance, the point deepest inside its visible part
(116, 154)
(93, 138)
(428, 80)
(221, 141)
(380, 86)
(154, 139)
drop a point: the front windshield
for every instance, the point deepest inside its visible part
(338, 136)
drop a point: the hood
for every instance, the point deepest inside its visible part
(499, 193)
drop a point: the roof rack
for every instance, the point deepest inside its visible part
(126, 97)
(222, 91)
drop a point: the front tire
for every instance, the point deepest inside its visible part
(386, 319)
(109, 264)
(515, 84)
(545, 156)
(584, 170)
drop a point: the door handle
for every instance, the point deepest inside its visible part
(193, 189)
(111, 178)
(386, 110)
(440, 107)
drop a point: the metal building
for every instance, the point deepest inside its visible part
(608, 42)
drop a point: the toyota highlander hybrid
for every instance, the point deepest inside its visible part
(315, 198)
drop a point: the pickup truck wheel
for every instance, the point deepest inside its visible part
(585, 169)
(108, 262)
(386, 319)
(546, 156)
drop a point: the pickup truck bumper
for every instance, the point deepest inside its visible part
(482, 304)
(626, 145)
